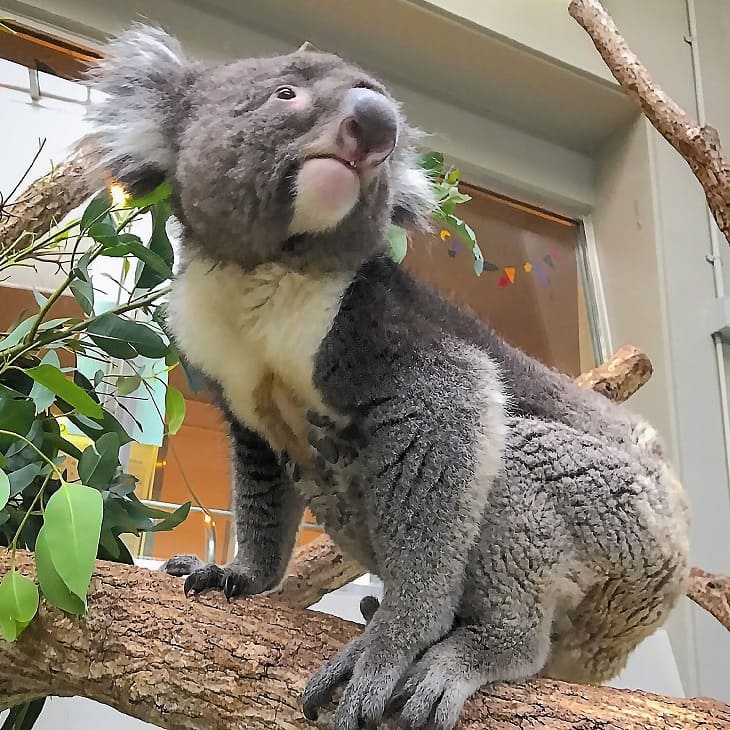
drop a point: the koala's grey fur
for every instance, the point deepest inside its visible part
(520, 525)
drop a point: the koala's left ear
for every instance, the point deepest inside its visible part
(413, 194)
(144, 77)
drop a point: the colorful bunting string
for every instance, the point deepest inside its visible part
(508, 274)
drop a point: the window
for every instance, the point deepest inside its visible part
(532, 289)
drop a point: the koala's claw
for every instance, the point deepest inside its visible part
(431, 695)
(364, 699)
(212, 577)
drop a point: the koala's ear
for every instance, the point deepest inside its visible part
(144, 77)
(413, 195)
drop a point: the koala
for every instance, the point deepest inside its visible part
(520, 526)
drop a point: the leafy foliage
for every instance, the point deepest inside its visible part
(69, 521)
(446, 189)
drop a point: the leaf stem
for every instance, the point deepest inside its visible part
(28, 442)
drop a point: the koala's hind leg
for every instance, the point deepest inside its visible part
(436, 687)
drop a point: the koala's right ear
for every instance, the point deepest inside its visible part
(144, 77)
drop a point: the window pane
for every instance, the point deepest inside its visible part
(531, 289)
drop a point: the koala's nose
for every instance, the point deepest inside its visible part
(369, 131)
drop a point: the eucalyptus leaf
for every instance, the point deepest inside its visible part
(127, 384)
(18, 603)
(97, 209)
(52, 585)
(397, 243)
(99, 462)
(40, 395)
(17, 333)
(53, 379)
(138, 336)
(40, 298)
(83, 293)
(174, 409)
(160, 193)
(22, 478)
(72, 525)
(4, 489)
(16, 416)
(107, 424)
(173, 519)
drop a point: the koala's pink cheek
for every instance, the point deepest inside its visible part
(326, 190)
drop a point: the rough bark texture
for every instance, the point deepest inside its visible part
(319, 567)
(45, 201)
(712, 592)
(620, 376)
(699, 146)
(207, 664)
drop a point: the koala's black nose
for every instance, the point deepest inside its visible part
(369, 131)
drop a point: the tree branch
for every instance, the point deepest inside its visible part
(698, 145)
(46, 201)
(712, 592)
(208, 664)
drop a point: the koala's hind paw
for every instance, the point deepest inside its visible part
(373, 677)
(432, 694)
(182, 565)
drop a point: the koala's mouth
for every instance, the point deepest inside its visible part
(350, 164)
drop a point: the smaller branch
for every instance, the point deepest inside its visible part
(619, 377)
(698, 145)
(711, 592)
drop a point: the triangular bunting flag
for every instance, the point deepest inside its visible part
(510, 274)
(549, 261)
(527, 267)
(489, 266)
(540, 273)
(504, 281)
(555, 253)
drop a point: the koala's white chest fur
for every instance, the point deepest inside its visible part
(257, 334)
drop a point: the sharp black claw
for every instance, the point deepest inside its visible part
(310, 713)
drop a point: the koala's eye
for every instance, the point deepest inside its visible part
(285, 92)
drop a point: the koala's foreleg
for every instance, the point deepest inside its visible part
(427, 484)
(268, 511)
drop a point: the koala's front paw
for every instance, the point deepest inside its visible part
(433, 691)
(230, 580)
(182, 565)
(373, 675)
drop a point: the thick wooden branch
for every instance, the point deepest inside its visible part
(698, 145)
(620, 376)
(45, 201)
(207, 664)
(712, 592)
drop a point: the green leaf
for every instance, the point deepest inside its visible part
(432, 162)
(23, 716)
(104, 232)
(160, 193)
(40, 298)
(131, 245)
(173, 519)
(107, 424)
(97, 209)
(4, 489)
(84, 294)
(52, 585)
(127, 384)
(18, 604)
(17, 334)
(53, 379)
(16, 415)
(174, 409)
(397, 243)
(61, 444)
(99, 462)
(22, 478)
(39, 394)
(138, 336)
(72, 526)
(159, 244)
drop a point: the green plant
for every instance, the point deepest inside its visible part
(69, 521)
(446, 187)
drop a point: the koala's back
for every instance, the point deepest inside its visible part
(592, 533)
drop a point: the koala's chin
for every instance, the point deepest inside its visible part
(326, 190)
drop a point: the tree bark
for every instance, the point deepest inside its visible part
(45, 201)
(207, 664)
(620, 376)
(712, 592)
(698, 145)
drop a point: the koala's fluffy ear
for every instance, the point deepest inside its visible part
(144, 76)
(413, 195)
